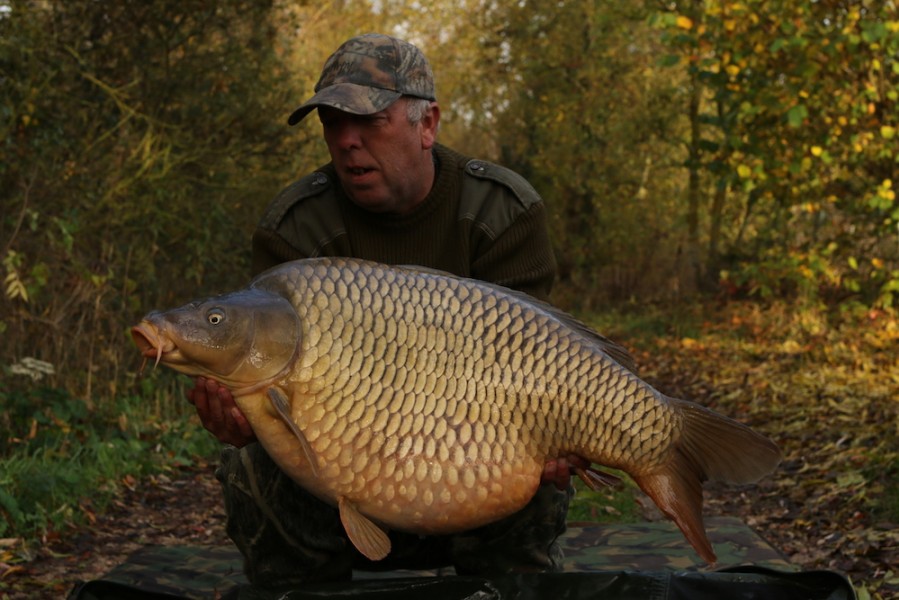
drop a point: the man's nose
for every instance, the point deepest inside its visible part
(346, 134)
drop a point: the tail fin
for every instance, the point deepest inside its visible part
(710, 447)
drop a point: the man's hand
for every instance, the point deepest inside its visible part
(219, 414)
(558, 471)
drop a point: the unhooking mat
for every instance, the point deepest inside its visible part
(646, 561)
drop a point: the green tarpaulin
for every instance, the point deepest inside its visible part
(609, 562)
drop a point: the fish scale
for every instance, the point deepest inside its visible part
(430, 403)
(502, 326)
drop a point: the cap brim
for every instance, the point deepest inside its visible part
(348, 97)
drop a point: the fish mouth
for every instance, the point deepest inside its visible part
(153, 344)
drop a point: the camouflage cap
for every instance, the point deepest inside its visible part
(367, 74)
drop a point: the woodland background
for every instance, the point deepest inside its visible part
(692, 155)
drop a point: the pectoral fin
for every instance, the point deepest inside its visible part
(368, 538)
(279, 402)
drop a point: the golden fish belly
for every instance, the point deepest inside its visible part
(415, 472)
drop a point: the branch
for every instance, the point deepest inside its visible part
(22, 212)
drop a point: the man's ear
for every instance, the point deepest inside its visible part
(430, 122)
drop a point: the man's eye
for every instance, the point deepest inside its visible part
(369, 120)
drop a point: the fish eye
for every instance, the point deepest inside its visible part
(215, 316)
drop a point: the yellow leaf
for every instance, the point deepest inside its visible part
(744, 172)
(887, 132)
(15, 288)
(733, 70)
(887, 184)
(684, 22)
(817, 150)
(791, 347)
(877, 263)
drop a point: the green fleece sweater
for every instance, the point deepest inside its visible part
(480, 220)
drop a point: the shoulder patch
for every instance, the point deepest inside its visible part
(518, 185)
(311, 185)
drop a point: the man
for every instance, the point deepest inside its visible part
(390, 194)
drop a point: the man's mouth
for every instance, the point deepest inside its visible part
(360, 176)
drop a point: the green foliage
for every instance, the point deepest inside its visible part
(61, 460)
(610, 505)
(799, 105)
(581, 111)
(646, 322)
(139, 145)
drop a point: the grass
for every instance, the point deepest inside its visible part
(643, 324)
(609, 505)
(65, 458)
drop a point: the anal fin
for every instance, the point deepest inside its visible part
(596, 479)
(367, 537)
(677, 490)
(279, 402)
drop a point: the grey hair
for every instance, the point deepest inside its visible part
(416, 109)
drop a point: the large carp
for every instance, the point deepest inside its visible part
(424, 402)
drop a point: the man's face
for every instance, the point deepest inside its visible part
(383, 161)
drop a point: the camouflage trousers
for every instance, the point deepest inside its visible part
(288, 536)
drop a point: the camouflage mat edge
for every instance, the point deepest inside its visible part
(660, 546)
(639, 560)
